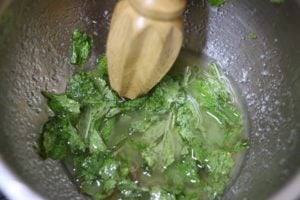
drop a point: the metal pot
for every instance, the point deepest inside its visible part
(34, 56)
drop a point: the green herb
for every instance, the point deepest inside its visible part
(277, 1)
(252, 36)
(217, 2)
(177, 142)
(60, 103)
(157, 192)
(165, 144)
(81, 46)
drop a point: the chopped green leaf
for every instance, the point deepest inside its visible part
(216, 2)
(219, 165)
(94, 127)
(57, 134)
(81, 88)
(252, 36)
(102, 67)
(130, 190)
(81, 47)
(177, 142)
(158, 193)
(107, 129)
(189, 118)
(182, 173)
(165, 144)
(60, 103)
(277, 1)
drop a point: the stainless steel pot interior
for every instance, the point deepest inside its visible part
(34, 52)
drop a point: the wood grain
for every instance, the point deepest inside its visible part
(141, 48)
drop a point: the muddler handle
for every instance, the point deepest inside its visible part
(144, 41)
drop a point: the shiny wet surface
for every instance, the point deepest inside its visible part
(34, 51)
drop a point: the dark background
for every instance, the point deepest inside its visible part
(2, 197)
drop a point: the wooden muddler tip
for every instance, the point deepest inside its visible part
(144, 41)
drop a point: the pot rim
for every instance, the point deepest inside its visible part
(12, 186)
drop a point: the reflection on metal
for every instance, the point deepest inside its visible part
(34, 57)
(291, 191)
(13, 188)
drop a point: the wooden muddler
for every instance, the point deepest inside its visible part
(144, 40)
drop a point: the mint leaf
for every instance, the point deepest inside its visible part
(182, 173)
(189, 118)
(89, 124)
(133, 105)
(216, 2)
(130, 190)
(81, 47)
(165, 145)
(58, 136)
(219, 165)
(60, 103)
(102, 70)
(107, 128)
(100, 173)
(277, 1)
(183, 133)
(158, 193)
(82, 88)
(214, 96)
(252, 36)
(162, 97)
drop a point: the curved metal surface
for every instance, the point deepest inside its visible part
(34, 52)
(13, 187)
